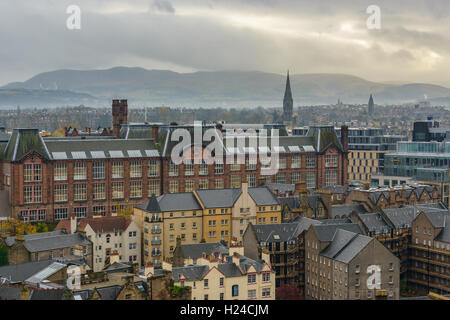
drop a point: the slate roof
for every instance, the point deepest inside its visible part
(21, 272)
(50, 241)
(9, 292)
(337, 189)
(325, 232)
(263, 196)
(191, 273)
(223, 198)
(47, 294)
(324, 136)
(175, 202)
(345, 245)
(22, 142)
(280, 188)
(291, 202)
(45, 273)
(99, 225)
(195, 251)
(375, 222)
(109, 147)
(438, 219)
(346, 209)
(314, 200)
(285, 231)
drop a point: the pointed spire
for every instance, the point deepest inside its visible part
(153, 205)
(288, 92)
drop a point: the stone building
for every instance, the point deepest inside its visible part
(346, 265)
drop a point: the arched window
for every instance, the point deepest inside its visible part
(108, 237)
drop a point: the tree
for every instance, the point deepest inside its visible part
(288, 292)
(3, 256)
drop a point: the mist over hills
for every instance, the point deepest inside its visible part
(206, 89)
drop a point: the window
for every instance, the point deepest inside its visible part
(79, 171)
(252, 294)
(61, 213)
(235, 290)
(99, 210)
(153, 187)
(173, 186)
(188, 169)
(235, 166)
(219, 184)
(251, 180)
(221, 296)
(310, 180)
(61, 193)
(296, 162)
(218, 168)
(27, 172)
(221, 282)
(250, 164)
(189, 186)
(135, 189)
(391, 266)
(98, 170)
(79, 192)
(205, 283)
(117, 170)
(98, 191)
(117, 190)
(330, 178)
(357, 269)
(296, 177)
(281, 177)
(206, 297)
(235, 181)
(310, 162)
(80, 212)
(60, 172)
(331, 161)
(282, 163)
(203, 184)
(136, 169)
(266, 292)
(153, 168)
(203, 169)
(173, 169)
(266, 277)
(251, 278)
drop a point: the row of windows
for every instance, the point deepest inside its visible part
(33, 172)
(33, 194)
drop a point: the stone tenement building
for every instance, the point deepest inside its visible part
(223, 273)
(49, 179)
(108, 235)
(202, 215)
(346, 265)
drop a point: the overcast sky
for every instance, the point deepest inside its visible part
(320, 36)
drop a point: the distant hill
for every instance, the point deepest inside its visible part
(221, 88)
(43, 98)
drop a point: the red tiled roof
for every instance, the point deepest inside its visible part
(99, 225)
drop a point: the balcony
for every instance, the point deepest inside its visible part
(156, 242)
(156, 231)
(156, 253)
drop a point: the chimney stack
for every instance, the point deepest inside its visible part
(119, 115)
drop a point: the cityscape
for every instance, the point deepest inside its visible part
(124, 183)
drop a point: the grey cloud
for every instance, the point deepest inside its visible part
(163, 6)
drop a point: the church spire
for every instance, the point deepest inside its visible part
(288, 102)
(371, 105)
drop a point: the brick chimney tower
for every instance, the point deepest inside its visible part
(120, 115)
(344, 167)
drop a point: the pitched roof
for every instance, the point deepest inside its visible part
(282, 232)
(223, 198)
(22, 271)
(153, 205)
(105, 224)
(374, 222)
(346, 245)
(191, 273)
(196, 250)
(346, 209)
(175, 202)
(22, 142)
(50, 241)
(325, 232)
(263, 196)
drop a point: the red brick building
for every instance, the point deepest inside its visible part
(51, 178)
